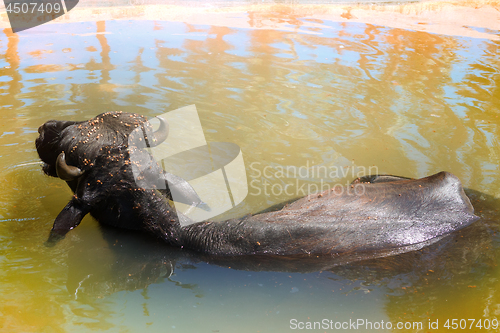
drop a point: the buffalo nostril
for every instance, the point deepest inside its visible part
(40, 129)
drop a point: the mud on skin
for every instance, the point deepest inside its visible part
(393, 214)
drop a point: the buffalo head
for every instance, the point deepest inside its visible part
(93, 157)
(81, 142)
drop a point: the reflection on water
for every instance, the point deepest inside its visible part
(329, 94)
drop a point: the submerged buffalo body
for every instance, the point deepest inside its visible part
(383, 214)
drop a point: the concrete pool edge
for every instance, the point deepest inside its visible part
(475, 18)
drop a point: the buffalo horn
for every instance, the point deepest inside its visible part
(64, 171)
(161, 133)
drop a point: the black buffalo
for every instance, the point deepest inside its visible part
(379, 216)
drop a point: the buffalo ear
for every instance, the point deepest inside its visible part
(68, 219)
(181, 191)
(64, 171)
